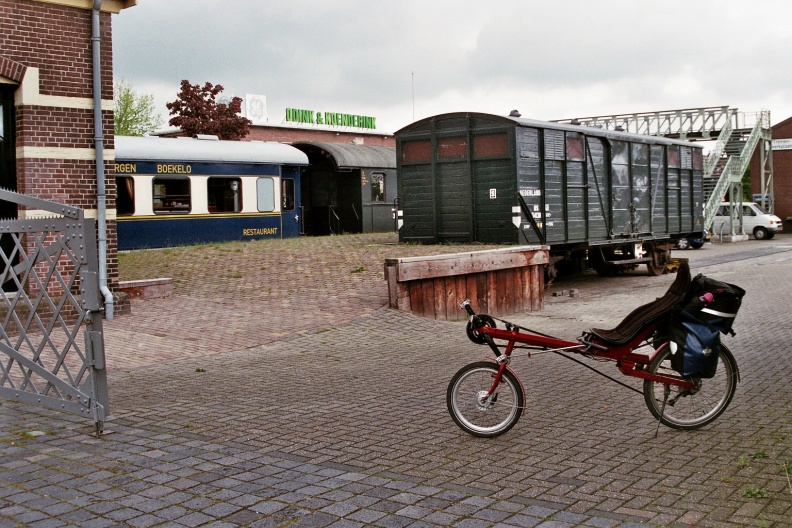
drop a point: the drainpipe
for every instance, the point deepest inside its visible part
(100, 168)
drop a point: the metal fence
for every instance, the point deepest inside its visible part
(51, 345)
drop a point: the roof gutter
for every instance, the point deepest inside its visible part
(100, 167)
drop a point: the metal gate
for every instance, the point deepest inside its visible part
(52, 346)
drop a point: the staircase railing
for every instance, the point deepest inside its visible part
(735, 166)
(717, 151)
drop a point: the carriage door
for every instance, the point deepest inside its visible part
(291, 212)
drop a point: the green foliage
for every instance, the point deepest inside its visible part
(752, 492)
(196, 112)
(747, 196)
(134, 114)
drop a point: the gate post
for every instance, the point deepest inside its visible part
(91, 298)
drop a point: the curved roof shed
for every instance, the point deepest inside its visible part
(351, 156)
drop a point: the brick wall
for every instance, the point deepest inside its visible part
(46, 48)
(283, 134)
(286, 134)
(782, 174)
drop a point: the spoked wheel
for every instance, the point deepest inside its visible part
(478, 414)
(691, 408)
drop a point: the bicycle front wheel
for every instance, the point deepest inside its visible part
(690, 408)
(473, 411)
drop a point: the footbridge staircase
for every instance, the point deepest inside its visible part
(736, 135)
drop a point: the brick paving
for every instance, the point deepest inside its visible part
(275, 389)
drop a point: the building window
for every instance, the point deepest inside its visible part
(224, 195)
(125, 196)
(377, 187)
(171, 195)
(265, 194)
(287, 195)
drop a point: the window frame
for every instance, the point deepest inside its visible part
(173, 209)
(271, 181)
(210, 196)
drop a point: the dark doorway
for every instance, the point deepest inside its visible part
(331, 197)
(7, 146)
(7, 168)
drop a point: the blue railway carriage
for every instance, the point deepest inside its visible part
(182, 191)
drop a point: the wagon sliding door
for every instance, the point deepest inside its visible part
(453, 190)
(598, 194)
(416, 191)
(493, 185)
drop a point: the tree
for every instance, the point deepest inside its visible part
(134, 114)
(198, 112)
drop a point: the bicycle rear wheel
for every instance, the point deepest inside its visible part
(690, 408)
(476, 414)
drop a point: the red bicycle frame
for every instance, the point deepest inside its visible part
(627, 360)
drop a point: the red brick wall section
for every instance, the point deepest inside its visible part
(56, 39)
(11, 69)
(782, 174)
(291, 135)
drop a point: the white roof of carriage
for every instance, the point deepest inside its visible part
(206, 149)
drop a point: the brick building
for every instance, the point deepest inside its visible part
(782, 172)
(47, 138)
(294, 134)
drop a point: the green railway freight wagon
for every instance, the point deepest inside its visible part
(598, 198)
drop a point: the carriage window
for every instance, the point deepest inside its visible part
(491, 146)
(287, 195)
(125, 196)
(574, 147)
(620, 152)
(673, 157)
(171, 195)
(224, 195)
(416, 151)
(452, 148)
(265, 193)
(378, 187)
(698, 161)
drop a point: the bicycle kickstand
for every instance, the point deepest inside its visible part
(666, 392)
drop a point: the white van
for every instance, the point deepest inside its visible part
(755, 221)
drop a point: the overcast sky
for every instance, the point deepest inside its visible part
(403, 60)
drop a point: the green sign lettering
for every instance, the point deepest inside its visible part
(297, 115)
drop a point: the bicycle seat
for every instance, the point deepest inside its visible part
(647, 313)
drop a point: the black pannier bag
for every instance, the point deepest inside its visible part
(693, 331)
(713, 302)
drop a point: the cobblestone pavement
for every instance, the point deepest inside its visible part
(275, 389)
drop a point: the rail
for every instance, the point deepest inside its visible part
(736, 165)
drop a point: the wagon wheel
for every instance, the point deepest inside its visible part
(657, 266)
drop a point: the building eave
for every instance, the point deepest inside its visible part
(108, 6)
